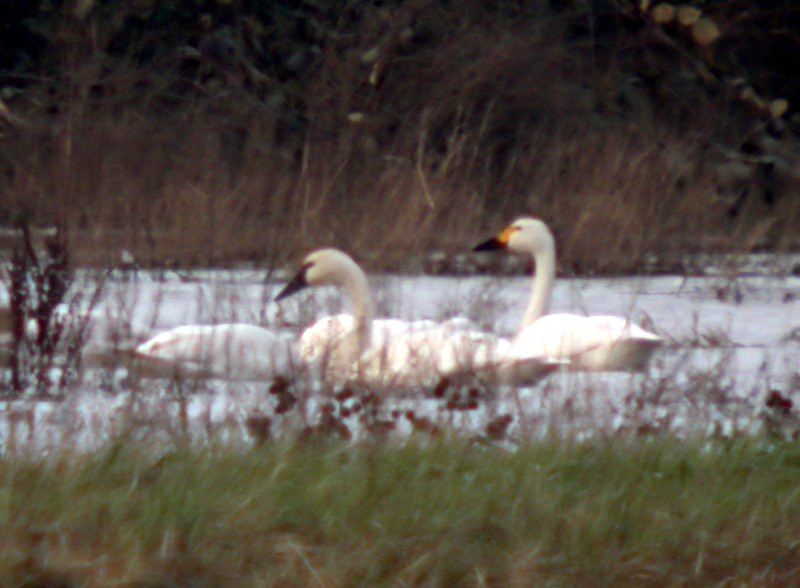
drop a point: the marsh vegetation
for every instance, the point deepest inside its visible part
(166, 163)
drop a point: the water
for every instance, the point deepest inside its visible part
(731, 342)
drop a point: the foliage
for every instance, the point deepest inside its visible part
(654, 511)
(260, 121)
(44, 317)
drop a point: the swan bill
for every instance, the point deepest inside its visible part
(297, 283)
(492, 244)
(500, 241)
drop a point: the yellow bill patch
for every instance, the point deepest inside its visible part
(503, 237)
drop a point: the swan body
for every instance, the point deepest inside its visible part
(388, 352)
(425, 348)
(316, 340)
(228, 351)
(459, 352)
(422, 356)
(589, 343)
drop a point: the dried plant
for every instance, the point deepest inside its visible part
(49, 320)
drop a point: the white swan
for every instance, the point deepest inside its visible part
(317, 339)
(387, 352)
(230, 351)
(593, 343)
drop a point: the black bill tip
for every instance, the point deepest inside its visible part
(297, 283)
(492, 244)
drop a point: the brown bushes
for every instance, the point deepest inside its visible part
(387, 130)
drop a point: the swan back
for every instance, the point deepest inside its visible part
(591, 343)
(228, 351)
(403, 354)
(416, 359)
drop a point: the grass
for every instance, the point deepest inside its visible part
(464, 127)
(651, 512)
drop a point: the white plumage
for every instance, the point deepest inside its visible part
(317, 339)
(593, 343)
(389, 353)
(229, 351)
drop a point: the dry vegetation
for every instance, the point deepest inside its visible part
(217, 132)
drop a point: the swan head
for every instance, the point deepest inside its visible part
(524, 235)
(321, 268)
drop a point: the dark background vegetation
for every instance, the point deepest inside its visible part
(215, 132)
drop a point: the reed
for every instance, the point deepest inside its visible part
(395, 131)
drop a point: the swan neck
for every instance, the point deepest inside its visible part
(358, 291)
(543, 278)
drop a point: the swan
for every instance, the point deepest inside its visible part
(589, 343)
(389, 352)
(317, 339)
(231, 351)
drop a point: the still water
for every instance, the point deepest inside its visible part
(731, 341)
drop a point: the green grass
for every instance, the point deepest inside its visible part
(650, 512)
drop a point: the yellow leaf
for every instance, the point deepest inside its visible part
(748, 94)
(705, 31)
(663, 13)
(371, 55)
(688, 15)
(778, 108)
